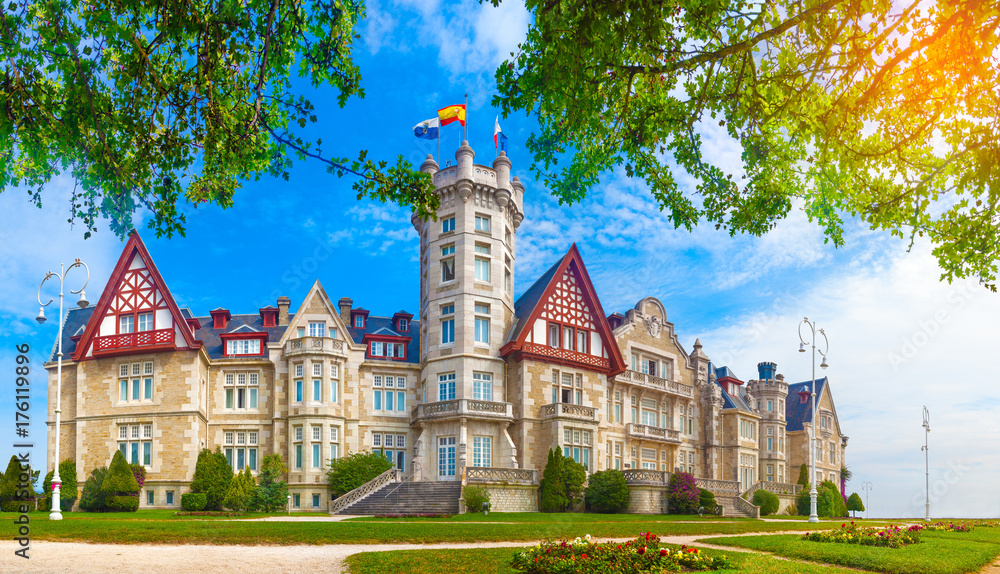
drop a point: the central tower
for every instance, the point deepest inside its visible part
(466, 309)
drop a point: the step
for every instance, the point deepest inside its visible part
(410, 498)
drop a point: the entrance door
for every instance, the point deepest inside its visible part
(446, 458)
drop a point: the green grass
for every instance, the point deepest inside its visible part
(167, 529)
(154, 514)
(497, 561)
(937, 553)
(571, 517)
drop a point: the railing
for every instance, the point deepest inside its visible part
(779, 488)
(719, 487)
(395, 488)
(313, 344)
(656, 383)
(568, 410)
(508, 475)
(160, 337)
(464, 407)
(653, 433)
(747, 508)
(565, 355)
(640, 476)
(363, 491)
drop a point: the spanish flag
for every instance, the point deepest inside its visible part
(452, 114)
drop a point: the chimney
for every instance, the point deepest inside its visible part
(345, 304)
(283, 304)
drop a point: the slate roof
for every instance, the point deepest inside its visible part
(75, 319)
(527, 301)
(729, 401)
(211, 336)
(385, 326)
(797, 413)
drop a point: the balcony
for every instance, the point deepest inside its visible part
(653, 433)
(656, 383)
(568, 411)
(314, 345)
(468, 408)
(565, 355)
(142, 341)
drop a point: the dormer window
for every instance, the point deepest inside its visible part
(404, 325)
(243, 347)
(359, 321)
(317, 329)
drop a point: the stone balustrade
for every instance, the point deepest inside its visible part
(719, 487)
(656, 383)
(643, 476)
(565, 410)
(778, 488)
(471, 408)
(485, 474)
(321, 345)
(365, 490)
(653, 433)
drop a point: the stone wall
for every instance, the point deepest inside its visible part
(512, 497)
(644, 499)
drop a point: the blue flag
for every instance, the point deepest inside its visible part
(502, 138)
(427, 129)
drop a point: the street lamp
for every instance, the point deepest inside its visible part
(812, 443)
(927, 464)
(867, 488)
(55, 512)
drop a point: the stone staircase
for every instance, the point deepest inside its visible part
(431, 497)
(736, 506)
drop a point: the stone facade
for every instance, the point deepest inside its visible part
(477, 380)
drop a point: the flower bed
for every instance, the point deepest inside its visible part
(952, 527)
(890, 536)
(643, 554)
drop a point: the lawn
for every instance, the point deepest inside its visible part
(937, 553)
(555, 517)
(497, 561)
(162, 527)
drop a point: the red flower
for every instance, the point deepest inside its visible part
(619, 546)
(584, 556)
(642, 550)
(843, 525)
(663, 551)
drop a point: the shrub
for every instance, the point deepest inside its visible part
(706, 500)
(92, 499)
(193, 501)
(767, 501)
(643, 554)
(240, 493)
(271, 493)
(212, 473)
(804, 477)
(351, 471)
(683, 496)
(120, 487)
(607, 491)
(10, 488)
(829, 502)
(68, 491)
(553, 486)
(574, 477)
(475, 497)
(855, 504)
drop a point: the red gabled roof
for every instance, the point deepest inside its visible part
(529, 308)
(134, 246)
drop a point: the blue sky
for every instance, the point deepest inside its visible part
(899, 338)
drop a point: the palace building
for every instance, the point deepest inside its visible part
(476, 386)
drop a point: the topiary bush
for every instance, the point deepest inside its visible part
(92, 499)
(855, 504)
(475, 497)
(10, 488)
(767, 501)
(351, 471)
(212, 474)
(193, 501)
(683, 495)
(706, 500)
(607, 492)
(68, 491)
(120, 487)
(829, 502)
(553, 484)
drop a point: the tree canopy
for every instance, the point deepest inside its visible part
(145, 103)
(881, 110)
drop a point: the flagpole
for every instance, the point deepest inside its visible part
(466, 117)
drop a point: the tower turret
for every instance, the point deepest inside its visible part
(770, 392)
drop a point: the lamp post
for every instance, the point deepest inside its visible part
(927, 464)
(812, 443)
(867, 488)
(55, 512)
